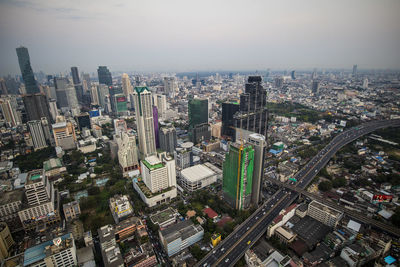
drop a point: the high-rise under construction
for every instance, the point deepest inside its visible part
(238, 175)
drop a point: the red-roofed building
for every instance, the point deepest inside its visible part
(211, 213)
(223, 221)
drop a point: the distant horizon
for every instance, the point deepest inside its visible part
(221, 71)
(186, 36)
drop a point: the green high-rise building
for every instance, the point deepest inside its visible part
(238, 175)
(198, 111)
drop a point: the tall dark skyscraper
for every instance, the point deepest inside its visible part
(253, 112)
(198, 111)
(26, 70)
(293, 75)
(37, 107)
(77, 84)
(75, 75)
(104, 75)
(354, 70)
(228, 110)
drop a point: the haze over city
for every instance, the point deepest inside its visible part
(200, 35)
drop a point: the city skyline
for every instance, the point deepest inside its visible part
(179, 36)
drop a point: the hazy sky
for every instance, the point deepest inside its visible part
(165, 35)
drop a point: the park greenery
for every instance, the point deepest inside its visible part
(35, 159)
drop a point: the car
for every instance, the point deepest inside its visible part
(214, 251)
(248, 242)
(222, 249)
(264, 213)
(227, 260)
(248, 227)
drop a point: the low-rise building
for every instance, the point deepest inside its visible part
(120, 207)
(6, 241)
(143, 256)
(10, 205)
(281, 219)
(58, 252)
(164, 218)
(109, 249)
(53, 169)
(127, 228)
(197, 177)
(179, 236)
(285, 235)
(324, 213)
(71, 210)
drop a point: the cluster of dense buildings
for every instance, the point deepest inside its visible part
(171, 137)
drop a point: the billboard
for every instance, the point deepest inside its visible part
(94, 113)
(382, 198)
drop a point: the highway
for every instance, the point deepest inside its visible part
(232, 248)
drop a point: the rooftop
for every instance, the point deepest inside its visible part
(210, 213)
(326, 208)
(34, 176)
(51, 164)
(11, 196)
(183, 230)
(196, 173)
(152, 162)
(127, 223)
(163, 216)
(59, 125)
(45, 249)
(311, 230)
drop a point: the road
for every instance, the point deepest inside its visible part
(232, 248)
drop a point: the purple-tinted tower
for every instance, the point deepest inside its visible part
(155, 119)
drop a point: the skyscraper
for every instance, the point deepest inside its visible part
(259, 146)
(156, 131)
(228, 122)
(77, 84)
(315, 87)
(253, 113)
(127, 152)
(104, 75)
(103, 92)
(126, 85)
(354, 70)
(168, 139)
(293, 75)
(26, 70)
(53, 109)
(169, 86)
(119, 104)
(36, 107)
(160, 101)
(198, 111)
(66, 94)
(9, 111)
(144, 121)
(238, 175)
(37, 135)
(3, 87)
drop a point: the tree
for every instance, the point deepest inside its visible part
(197, 252)
(339, 182)
(325, 186)
(396, 218)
